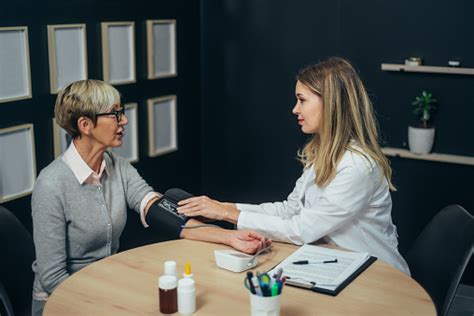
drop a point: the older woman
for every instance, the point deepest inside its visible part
(79, 202)
(343, 195)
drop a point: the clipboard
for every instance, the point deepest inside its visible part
(339, 277)
(341, 286)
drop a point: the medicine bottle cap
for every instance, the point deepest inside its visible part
(170, 267)
(167, 282)
(186, 284)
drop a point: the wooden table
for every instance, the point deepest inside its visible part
(127, 284)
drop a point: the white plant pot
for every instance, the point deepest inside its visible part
(420, 140)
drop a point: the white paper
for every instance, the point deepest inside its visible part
(17, 163)
(121, 53)
(164, 49)
(14, 79)
(324, 275)
(165, 126)
(70, 55)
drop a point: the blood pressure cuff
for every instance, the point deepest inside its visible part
(163, 216)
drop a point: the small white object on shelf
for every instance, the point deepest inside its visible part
(233, 260)
(454, 63)
(411, 63)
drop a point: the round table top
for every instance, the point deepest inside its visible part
(127, 284)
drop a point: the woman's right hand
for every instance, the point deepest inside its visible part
(208, 208)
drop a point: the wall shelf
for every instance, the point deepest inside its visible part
(404, 153)
(429, 69)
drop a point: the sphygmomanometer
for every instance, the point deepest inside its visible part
(163, 216)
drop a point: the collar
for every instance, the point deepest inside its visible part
(78, 166)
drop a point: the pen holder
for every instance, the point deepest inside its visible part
(264, 305)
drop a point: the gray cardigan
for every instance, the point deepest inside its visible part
(75, 225)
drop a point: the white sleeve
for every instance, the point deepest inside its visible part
(285, 209)
(342, 199)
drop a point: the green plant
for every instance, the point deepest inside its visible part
(424, 106)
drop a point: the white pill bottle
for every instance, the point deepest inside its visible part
(186, 296)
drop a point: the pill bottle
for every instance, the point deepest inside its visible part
(168, 294)
(170, 268)
(186, 296)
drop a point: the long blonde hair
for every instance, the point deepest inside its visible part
(347, 116)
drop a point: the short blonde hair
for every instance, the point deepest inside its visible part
(83, 98)
(348, 116)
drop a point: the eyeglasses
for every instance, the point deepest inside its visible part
(118, 114)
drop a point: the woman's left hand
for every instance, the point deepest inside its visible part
(209, 208)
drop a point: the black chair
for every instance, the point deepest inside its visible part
(17, 254)
(440, 254)
(5, 305)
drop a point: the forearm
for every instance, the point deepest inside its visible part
(231, 213)
(209, 234)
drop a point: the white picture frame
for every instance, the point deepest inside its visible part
(17, 162)
(15, 74)
(129, 148)
(161, 49)
(118, 52)
(162, 125)
(61, 139)
(67, 53)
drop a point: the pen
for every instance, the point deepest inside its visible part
(277, 275)
(249, 279)
(256, 286)
(314, 262)
(279, 283)
(275, 289)
(264, 278)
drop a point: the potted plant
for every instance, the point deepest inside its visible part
(421, 135)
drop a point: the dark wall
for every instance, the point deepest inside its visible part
(253, 49)
(181, 168)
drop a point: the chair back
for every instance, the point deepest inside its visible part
(441, 253)
(5, 305)
(17, 254)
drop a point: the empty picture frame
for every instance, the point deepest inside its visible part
(17, 162)
(118, 52)
(67, 50)
(61, 139)
(15, 77)
(129, 148)
(161, 48)
(162, 125)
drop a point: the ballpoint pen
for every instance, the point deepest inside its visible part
(255, 284)
(249, 280)
(314, 262)
(279, 283)
(277, 275)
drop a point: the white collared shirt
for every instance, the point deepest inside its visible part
(85, 175)
(353, 211)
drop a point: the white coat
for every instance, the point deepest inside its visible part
(353, 211)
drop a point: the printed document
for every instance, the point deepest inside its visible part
(316, 274)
